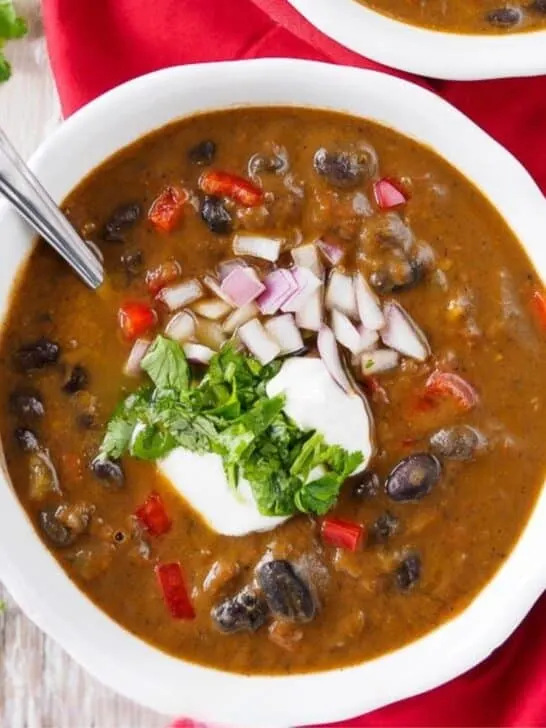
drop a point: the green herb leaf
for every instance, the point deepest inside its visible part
(2, 606)
(11, 28)
(166, 365)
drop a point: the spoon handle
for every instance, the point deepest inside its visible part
(19, 185)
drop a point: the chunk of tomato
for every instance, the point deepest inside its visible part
(343, 534)
(225, 184)
(173, 588)
(153, 515)
(538, 303)
(167, 209)
(449, 384)
(162, 275)
(135, 319)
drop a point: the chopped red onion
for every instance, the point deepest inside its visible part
(340, 294)
(180, 295)
(329, 352)
(212, 308)
(239, 317)
(402, 333)
(284, 331)
(226, 266)
(368, 338)
(309, 315)
(132, 366)
(387, 194)
(198, 353)
(242, 286)
(380, 360)
(332, 253)
(214, 286)
(368, 306)
(346, 332)
(258, 341)
(307, 283)
(307, 256)
(279, 285)
(259, 247)
(210, 333)
(181, 327)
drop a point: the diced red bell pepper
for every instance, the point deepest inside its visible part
(159, 277)
(538, 302)
(173, 588)
(224, 184)
(448, 384)
(388, 194)
(344, 534)
(167, 209)
(135, 319)
(153, 516)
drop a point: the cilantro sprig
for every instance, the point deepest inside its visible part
(228, 412)
(11, 27)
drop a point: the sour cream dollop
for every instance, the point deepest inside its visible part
(313, 401)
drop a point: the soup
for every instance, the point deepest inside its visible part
(302, 422)
(466, 16)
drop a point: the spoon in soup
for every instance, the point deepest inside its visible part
(21, 187)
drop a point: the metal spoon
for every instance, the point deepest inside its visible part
(19, 185)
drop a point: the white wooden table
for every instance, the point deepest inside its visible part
(40, 685)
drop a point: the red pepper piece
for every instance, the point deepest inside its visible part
(448, 384)
(159, 277)
(224, 184)
(344, 534)
(153, 516)
(167, 209)
(388, 194)
(538, 303)
(173, 588)
(135, 319)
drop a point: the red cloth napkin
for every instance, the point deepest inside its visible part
(97, 44)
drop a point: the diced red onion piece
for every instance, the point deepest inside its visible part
(387, 195)
(212, 308)
(307, 256)
(332, 253)
(132, 366)
(242, 285)
(180, 295)
(380, 360)
(307, 283)
(340, 294)
(198, 353)
(279, 285)
(215, 287)
(258, 341)
(226, 266)
(368, 338)
(259, 247)
(239, 317)
(181, 327)
(329, 352)
(284, 331)
(368, 306)
(310, 314)
(402, 333)
(346, 332)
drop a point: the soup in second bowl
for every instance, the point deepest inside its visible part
(302, 423)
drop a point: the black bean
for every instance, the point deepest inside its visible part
(119, 222)
(457, 443)
(504, 17)
(26, 403)
(365, 485)
(203, 153)
(109, 471)
(56, 532)
(26, 439)
(408, 572)
(215, 215)
(266, 163)
(133, 262)
(287, 595)
(538, 6)
(78, 380)
(340, 169)
(413, 477)
(386, 281)
(384, 527)
(245, 612)
(37, 354)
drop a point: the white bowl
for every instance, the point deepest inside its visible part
(38, 583)
(423, 51)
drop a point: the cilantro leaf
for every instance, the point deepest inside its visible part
(11, 28)
(166, 365)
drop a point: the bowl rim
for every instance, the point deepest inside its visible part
(424, 51)
(30, 572)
